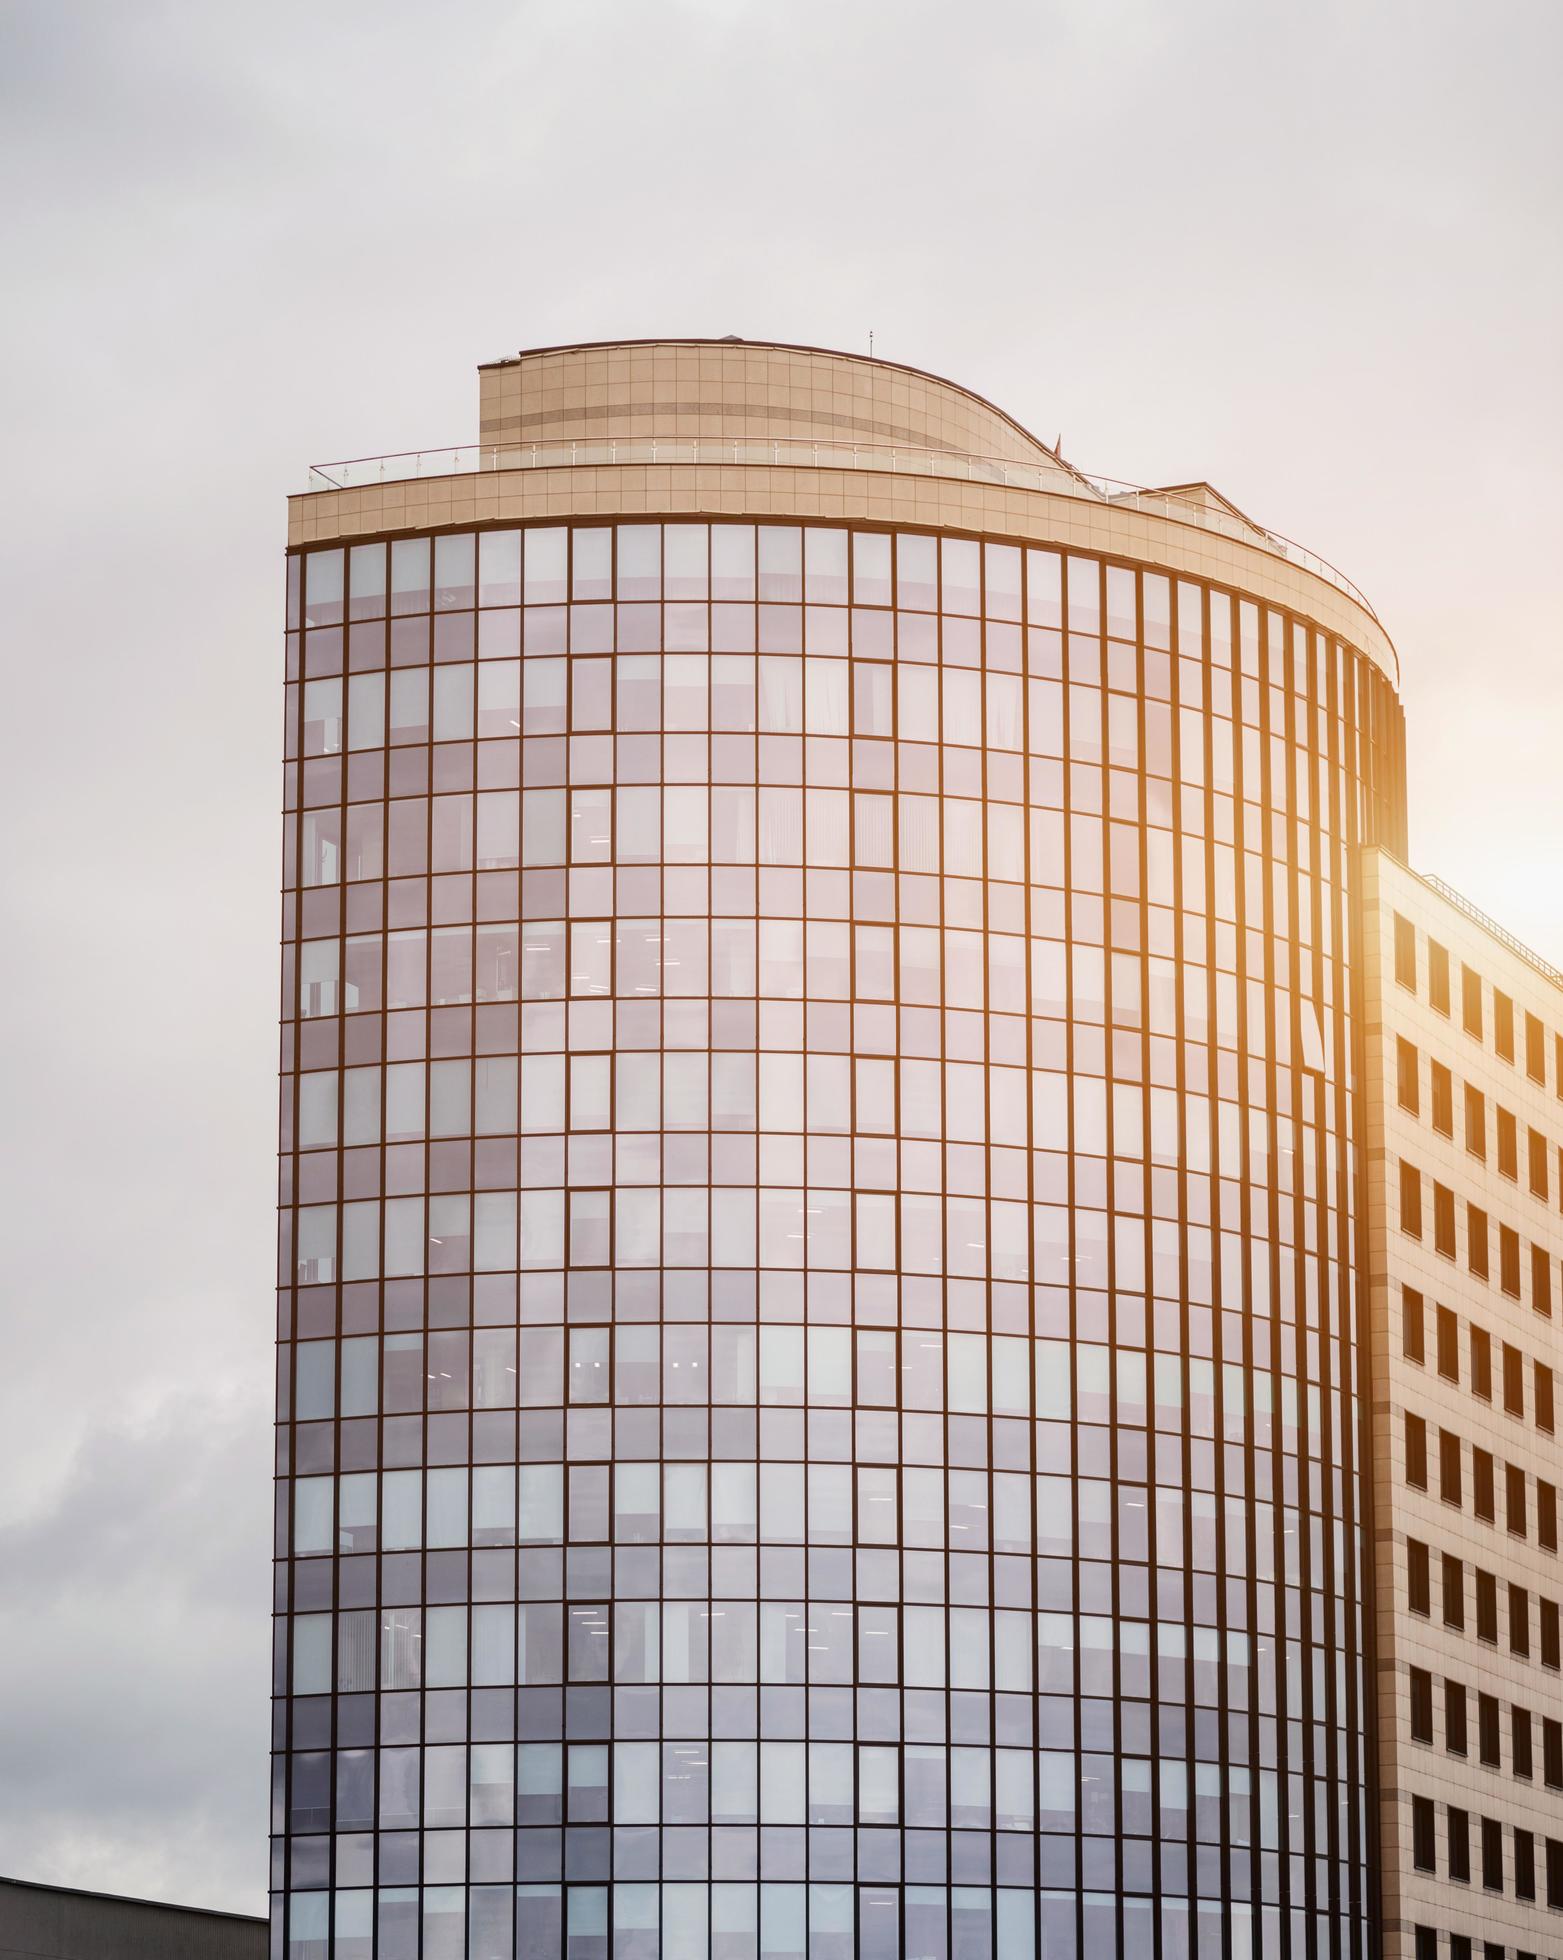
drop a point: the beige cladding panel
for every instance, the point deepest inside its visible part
(835, 496)
(754, 390)
(1401, 1385)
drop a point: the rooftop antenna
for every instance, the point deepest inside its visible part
(871, 343)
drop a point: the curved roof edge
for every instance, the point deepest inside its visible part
(1032, 442)
(1161, 540)
(647, 389)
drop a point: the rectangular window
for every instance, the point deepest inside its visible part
(1421, 1705)
(1486, 1606)
(1416, 1452)
(1459, 1845)
(1551, 1637)
(1519, 1621)
(1514, 1499)
(1552, 1752)
(1503, 1024)
(1427, 1943)
(1419, 1596)
(1449, 1482)
(1410, 1199)
(1405, 953)
(1488, 1746)
(1443, 1220)
(1471, 1000)
(1544, 1407)
(1448, 1343)
(1524, 1862)
(1536, 1155)
(1481, 1363)
(1482, 1485)
(1555, 1874)
(1541, 1280)
(1443, 1098)
(1423, 1852)
(1454, 1591)
(1476, 1122)
(1509, 1261)
(1521, 1762)
(1406, 1076)
(1438, 976)
(1492, 1854)
(1546, 1515)
(1535, 1050)
(1476, 1240)
(1454, 1718)
(1412, 1339)
(1508, 1142)
(1513, 1381)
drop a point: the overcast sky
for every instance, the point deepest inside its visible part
(1308, 252)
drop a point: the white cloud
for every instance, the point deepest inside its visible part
(135, 1625)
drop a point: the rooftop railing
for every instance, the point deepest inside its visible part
(1058, 479)
(1501, 933)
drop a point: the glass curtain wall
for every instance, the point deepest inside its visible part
(818, 1387)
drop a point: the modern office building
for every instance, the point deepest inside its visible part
(1464, 1160)
(820, 1399)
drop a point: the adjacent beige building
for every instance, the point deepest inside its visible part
(1463, 1032)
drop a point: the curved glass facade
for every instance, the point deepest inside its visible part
(818, 1382)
